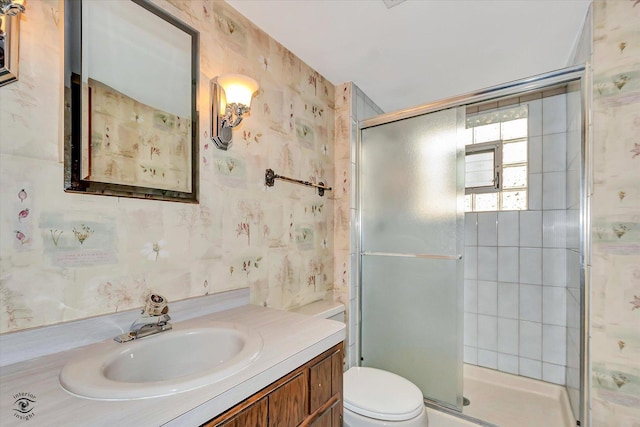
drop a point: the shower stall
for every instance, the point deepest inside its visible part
(449, 277)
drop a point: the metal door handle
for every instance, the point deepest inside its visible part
(423, 256)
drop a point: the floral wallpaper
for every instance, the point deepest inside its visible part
(69, 256)
(343, 194)
(344, 252)
(615, 208)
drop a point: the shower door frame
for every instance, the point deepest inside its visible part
(581, 73)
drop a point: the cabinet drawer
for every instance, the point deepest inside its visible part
(324, 420)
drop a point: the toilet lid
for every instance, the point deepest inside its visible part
(382, 395)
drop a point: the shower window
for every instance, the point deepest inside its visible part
(482, 167)
(496, 160)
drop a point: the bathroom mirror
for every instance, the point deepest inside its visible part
(9, 33)
(130, 101)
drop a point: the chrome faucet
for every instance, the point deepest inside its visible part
(154, 320)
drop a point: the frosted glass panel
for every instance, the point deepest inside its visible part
(412, 203)
(410, 176)
(514, 177)
(514, 152)
(410, 324)
(514, 200)
(486, 133)
(486, 202)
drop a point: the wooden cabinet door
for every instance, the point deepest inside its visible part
(288, 403)
(325, 391)
(320, 389)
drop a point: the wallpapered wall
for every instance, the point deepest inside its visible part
(343, 195)
(69, 256)
(615, 259)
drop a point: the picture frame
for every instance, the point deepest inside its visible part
(9, 41)
(131, 121)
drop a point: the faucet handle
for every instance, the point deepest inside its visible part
(164, 319)
(156, 305)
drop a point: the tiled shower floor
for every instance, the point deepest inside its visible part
(504, 400)
(512, 401)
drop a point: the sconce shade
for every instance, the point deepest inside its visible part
(238, 88)
(230, 101)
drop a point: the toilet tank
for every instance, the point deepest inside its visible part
(323, 309)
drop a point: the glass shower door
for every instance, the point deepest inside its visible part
(412, 213)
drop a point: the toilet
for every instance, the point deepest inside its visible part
(373, 397)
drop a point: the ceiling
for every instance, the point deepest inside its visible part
(420, 51)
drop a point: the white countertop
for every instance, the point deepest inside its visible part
(290, 340)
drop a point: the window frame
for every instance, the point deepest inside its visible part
(486, 147)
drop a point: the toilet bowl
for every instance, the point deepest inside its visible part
(373, 397)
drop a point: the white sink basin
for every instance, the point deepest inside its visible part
(163, 364)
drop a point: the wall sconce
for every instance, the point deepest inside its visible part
(231, 94)
(11, 7)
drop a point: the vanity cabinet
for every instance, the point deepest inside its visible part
(309, 396)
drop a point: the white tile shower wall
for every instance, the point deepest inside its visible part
(508, 228)
(516, 300)
(508, 301)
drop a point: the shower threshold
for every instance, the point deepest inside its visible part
(441, 416)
